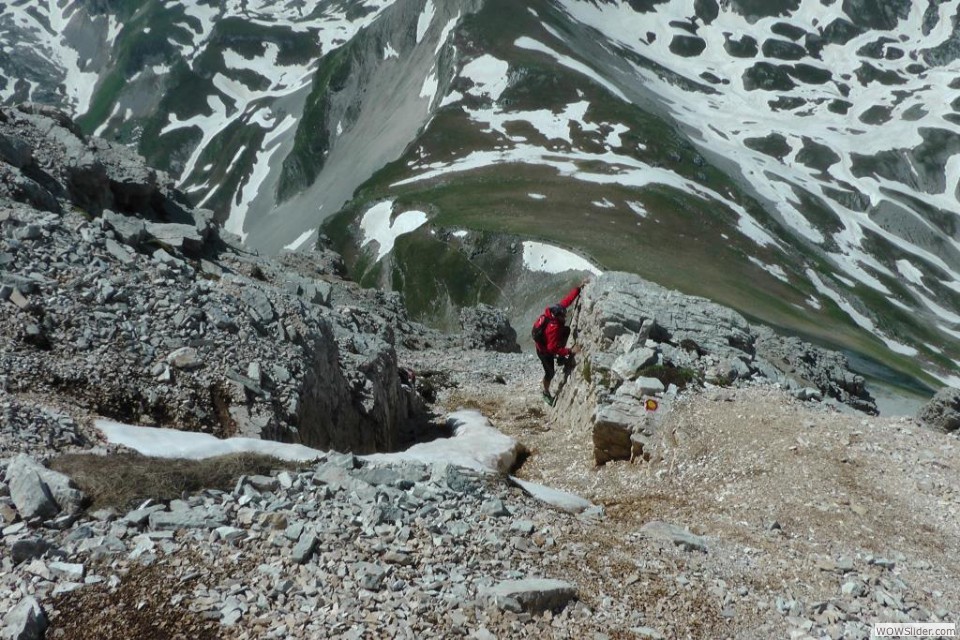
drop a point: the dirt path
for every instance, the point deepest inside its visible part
(797, 502)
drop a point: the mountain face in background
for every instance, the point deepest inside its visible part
(796, 160)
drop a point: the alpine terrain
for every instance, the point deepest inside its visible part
(267, 276)
(791, 159)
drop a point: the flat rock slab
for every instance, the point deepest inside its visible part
(679, 536)
(532, 595)
(190, 519)
(563, 500)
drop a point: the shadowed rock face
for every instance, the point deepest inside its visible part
(55, 161)
(121, 299)
(943, 410)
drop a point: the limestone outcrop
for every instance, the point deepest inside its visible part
(642, 342)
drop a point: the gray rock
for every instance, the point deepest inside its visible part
(485, 327)
(629, 364)
(494, 507)
(532, 595)
(372, 575)
(303, 550)
(67, 570)
(128, 229)
(613, 425)
(27, 549)
(26, 621)
(185, 358)
(40, 492)
(189, 519)
(184, 237)
(118, 251)
(674, 534)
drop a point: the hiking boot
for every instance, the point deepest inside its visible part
(548, 398)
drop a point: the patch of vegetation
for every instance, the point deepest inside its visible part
(144, 40)
(124, 480)
(668, 374)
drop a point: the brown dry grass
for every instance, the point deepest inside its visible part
(140, 607)
(731, 463)
(125, 479)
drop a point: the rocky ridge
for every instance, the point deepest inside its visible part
(643, 341)
(141, 319)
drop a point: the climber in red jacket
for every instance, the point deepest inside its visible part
(550, 334)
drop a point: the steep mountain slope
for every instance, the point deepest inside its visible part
(792, 160)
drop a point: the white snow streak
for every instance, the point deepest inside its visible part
(549, 259)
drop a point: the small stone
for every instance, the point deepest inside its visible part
(533, 595)
(304, 548)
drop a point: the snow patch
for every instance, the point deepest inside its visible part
(426, 17)
(537, 196)
(489, 76)
(296, 244)
(549, 259)
(475, 444)
(170, 443)
(910, 273)
(773, 269)
(638, 209)
(376, 226)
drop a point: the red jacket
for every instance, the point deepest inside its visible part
(556, 333)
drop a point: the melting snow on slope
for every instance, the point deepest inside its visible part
(549, 259)
(552, 126)
(48, 38)
(170, 443)
(861, 320)
(773, 269)
(259, 173)
(533, 45)
(734, 112)
(296, 244)
(377, 226)
(489, 76)
(475, 444)
(423, 22)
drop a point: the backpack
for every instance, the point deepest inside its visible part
(539, 331)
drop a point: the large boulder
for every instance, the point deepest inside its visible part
(26, 621)
(39, 492)
(943, 410)
(486, 327)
